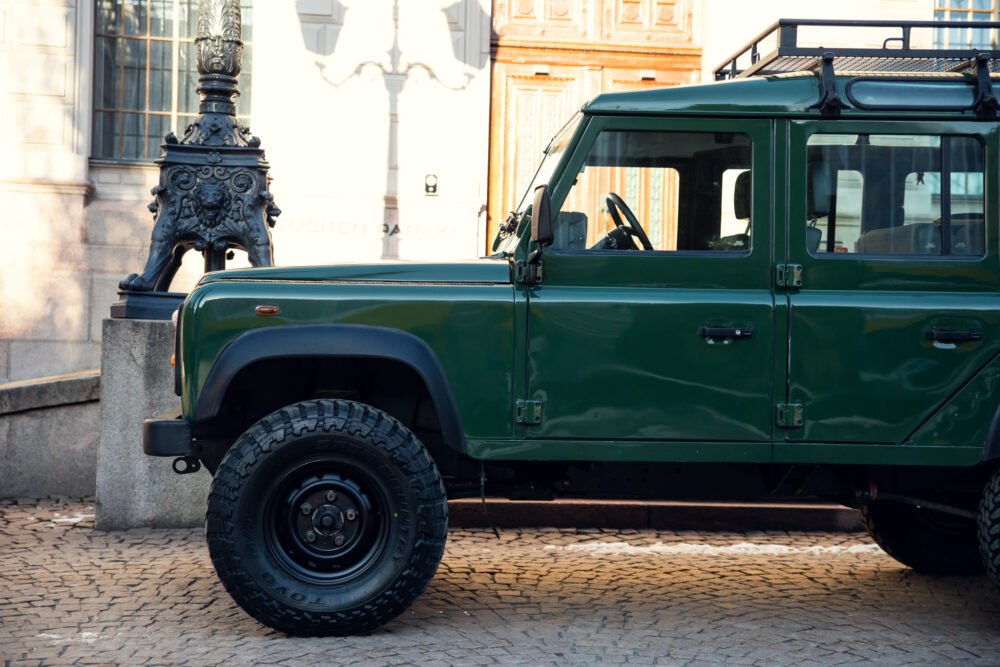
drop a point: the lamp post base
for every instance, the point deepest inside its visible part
(134, 305)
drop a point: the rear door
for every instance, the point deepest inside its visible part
(898, 304)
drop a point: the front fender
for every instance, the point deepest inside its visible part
(333, 340)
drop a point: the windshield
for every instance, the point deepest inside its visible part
(553, 154)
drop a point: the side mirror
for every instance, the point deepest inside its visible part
(541, 217)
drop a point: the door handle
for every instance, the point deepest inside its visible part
(953, 336)
(726, 332)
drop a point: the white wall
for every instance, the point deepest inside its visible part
(323, 115)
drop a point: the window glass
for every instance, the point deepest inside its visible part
(145, 74)
(683, 191)
(965, 10)
(895, 194)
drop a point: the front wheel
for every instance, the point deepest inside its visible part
(326, 517)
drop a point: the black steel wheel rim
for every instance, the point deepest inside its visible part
(326, 520)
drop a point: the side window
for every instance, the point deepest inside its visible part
(895, 195)
(667, 191)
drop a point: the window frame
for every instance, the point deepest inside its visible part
(945, 11)
(664, 125)
(685, 269)
(178, 120)
(842, 273)
(981, 140)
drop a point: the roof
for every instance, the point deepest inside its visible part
(770, 96)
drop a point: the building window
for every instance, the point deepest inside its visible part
(145, 74)
(965, 10)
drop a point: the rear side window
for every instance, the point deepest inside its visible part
(895, 194)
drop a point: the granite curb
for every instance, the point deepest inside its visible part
(50, 392)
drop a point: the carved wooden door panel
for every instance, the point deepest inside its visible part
(551, 56)
(529, 107)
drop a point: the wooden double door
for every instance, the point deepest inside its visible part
(551, 56)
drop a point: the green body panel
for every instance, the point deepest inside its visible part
(609, 343)
(863, 369)
(619, 450)
(966, 418)
(468, 326)
(475, 271)
(770, 97)
(716, 452)
(628, 363)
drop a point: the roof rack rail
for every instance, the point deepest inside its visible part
(896, 55)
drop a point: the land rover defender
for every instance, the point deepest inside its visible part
(782, 285)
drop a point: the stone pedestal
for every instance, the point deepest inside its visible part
(135, 490)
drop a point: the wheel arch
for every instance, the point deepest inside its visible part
(333, 341)
(991, 448)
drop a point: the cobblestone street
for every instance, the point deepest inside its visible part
(70, 594)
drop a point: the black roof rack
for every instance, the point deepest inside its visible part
(896, 55)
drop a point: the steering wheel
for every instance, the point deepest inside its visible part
(617, 207)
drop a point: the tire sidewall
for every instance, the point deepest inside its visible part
(253, 507)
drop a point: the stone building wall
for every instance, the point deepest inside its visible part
(344, 163)
(46, 268)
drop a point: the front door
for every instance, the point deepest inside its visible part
(653, 320)
(898, 306)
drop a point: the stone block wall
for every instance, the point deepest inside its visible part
(45, 281)
(48, 436)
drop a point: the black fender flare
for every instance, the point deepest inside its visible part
(333, 340)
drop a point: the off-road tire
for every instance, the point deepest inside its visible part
(345, 452)
(929, 542)
(989, 528)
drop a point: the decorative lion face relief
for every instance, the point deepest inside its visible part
(211, 203)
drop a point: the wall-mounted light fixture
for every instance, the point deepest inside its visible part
(431, 185)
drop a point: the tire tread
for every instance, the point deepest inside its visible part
(330, 416)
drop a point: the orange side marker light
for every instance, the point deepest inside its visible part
(266, 311)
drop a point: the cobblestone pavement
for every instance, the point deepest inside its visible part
(70, 594)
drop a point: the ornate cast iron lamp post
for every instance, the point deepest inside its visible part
(213, 192)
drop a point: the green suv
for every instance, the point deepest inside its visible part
(785, 284)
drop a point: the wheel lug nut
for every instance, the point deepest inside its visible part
(306, 508)
(338, 540)
(351, 515)
(330, 496)
(310, 536)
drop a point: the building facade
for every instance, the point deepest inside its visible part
(394, 129)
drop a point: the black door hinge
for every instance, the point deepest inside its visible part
(789, 415)
(527, 412)
(527, 273)
(788, 275)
